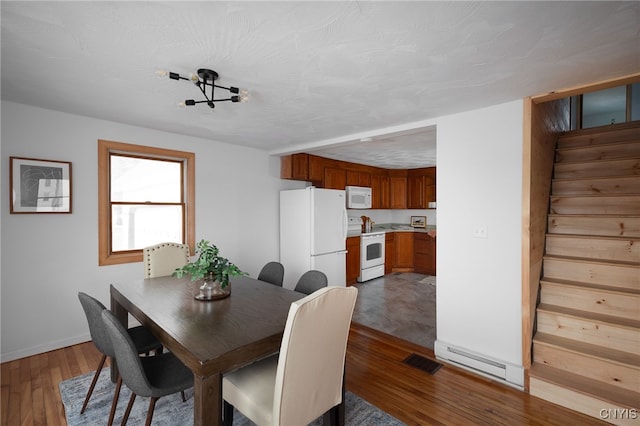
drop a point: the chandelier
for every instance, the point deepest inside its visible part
(204, 79)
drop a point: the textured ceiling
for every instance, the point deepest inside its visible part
(319, 73)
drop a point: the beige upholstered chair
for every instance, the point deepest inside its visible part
(305, 380)
(162, 259)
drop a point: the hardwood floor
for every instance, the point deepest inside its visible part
(375, 371)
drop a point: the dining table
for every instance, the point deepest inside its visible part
(212, 337)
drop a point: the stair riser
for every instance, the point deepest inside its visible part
(620, 135)
(623, 204)
(599, 152)
(629, 167)
(588, 331)
(619, 276)
(626, 250)
(591, 300)
(620, 375)
(608, 186)
(605, 226)
(577, 401)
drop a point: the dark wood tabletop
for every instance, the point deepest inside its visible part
(212, 337)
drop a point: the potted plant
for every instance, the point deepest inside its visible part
(211, 268)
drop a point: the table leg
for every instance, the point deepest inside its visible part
(122, 315)
(207, 400)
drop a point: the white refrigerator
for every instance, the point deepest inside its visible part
(313, 234)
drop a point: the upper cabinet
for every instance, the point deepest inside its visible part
(421, 187)
(391, 188)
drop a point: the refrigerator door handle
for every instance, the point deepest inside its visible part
(345, 225)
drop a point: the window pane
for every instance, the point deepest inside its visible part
(137, 226)
(604, 107)
(139, 179)
(635, 101)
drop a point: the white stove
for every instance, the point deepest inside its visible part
(371, 251)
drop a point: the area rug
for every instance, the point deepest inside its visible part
(171, 411)
(431, 280)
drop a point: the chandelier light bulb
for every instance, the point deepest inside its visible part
(162, 73)
(194, 78)
(244, 96)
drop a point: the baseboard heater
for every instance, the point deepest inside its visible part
(510, 374)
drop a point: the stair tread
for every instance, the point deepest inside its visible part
(581, 179)
(585, 385)
(604, 160)
(588, 349)
(589, 316)
(631, 141)
(589, 286)
(590, 260)
(608, 195)
(595, 237)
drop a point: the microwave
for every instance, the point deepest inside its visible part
(358, 197)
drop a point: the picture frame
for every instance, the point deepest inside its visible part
(419, 221)
(39, 186)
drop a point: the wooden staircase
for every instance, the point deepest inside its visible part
(586, 347)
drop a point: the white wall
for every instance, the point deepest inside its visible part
(47, 259)
(479, 183)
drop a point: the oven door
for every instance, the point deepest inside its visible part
(371, 251)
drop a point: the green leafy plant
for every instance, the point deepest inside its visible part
(209, 262)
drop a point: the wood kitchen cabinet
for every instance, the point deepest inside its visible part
(335, 178)
(398, 192)
(424, 260)
(358, 178)
(389, 252)
(353, 259)
(421, 187)
(379, 191)
(403, 251)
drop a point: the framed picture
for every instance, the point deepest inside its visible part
(419, 221)
(39, 186)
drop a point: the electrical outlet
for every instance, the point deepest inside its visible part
(480, 231)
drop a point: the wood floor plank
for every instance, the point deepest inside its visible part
(374, 370)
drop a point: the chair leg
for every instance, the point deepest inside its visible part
(93, 383)
(227, 413)
(114, 403)
(184, 398)
(128, 410)
(152, 406)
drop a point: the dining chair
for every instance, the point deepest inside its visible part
(152, 377)
(160, 260)
(143, 341)
(302, 382)
(272, 272)
(311, 281)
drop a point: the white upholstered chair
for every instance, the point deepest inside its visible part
(305, 380)
(162, 259)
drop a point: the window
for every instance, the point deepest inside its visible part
(613, 105)
(146, 196)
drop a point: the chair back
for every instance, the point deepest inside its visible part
(272, 272)
(126, 355)
(311, 281)
(99, 335)
(310, 370)
(162, 259)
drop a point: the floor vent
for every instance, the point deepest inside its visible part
(422, 363)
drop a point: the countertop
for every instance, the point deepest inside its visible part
(396, 227)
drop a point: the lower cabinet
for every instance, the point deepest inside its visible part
(353, 259)
(424, 260)
(403, 242)
(389, 252)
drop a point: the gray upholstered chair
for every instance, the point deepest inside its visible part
(272, 272)
(311, 281)
(160, 260)
(143, 340)
(302, 382)
(153, 377)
